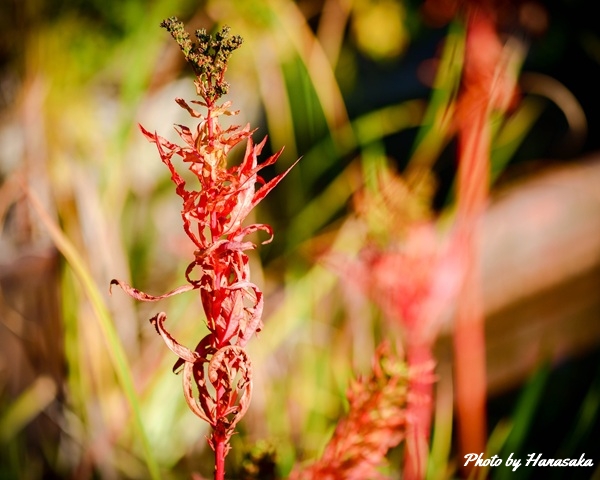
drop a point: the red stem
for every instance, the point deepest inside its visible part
(469, 337)
(218, 435)
(220, 458)
(419, 410)
(219, 438)
(209, 121)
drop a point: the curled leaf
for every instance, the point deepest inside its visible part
(182, 352)
(188, 393)
(145, 297)
(227, 365)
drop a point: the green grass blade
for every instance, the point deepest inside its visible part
(365, 133)
(512, 134)
(587, 416)
(523, 418)
(117, 354)
(434, 133)
(25, 408)
(441, 441)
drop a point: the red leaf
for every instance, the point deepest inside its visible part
(262, 193)
(182, 352)
(145, 297)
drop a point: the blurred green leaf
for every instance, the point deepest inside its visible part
(114, 347)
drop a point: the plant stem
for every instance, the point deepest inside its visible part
(469, 338)
(220, 459)
(210, 121)
(420, 405)
(220, 438)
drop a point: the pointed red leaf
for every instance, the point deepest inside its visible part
(265, 189)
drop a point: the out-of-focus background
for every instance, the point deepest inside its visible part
(86, 388)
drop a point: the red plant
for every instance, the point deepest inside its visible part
(488, 86)
(488, 90)
(414, 277)
(414, 282)
(213, 218)
(375, 422)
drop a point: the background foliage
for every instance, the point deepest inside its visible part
(86, 384)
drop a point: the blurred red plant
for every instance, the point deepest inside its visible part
(487, 91)
(413, 275)
(375, 422)
(415, 282)
(213, 218)
(488, 88)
